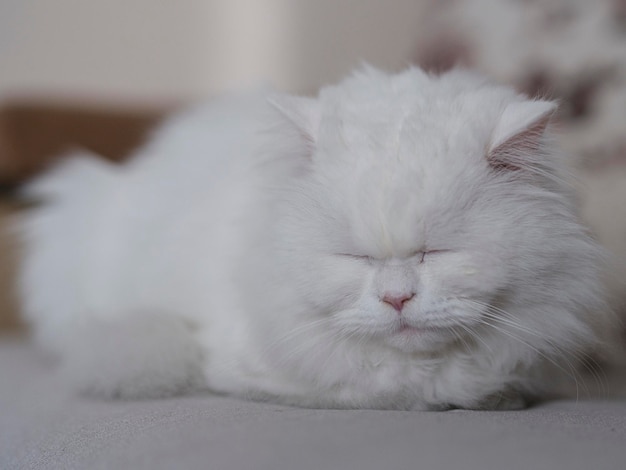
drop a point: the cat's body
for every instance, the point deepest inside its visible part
(399, 242)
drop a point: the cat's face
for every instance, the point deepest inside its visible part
(402, 232)
(403, 254)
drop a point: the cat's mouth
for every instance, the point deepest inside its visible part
(404, 328)
(413, 338)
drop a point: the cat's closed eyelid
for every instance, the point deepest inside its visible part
(436, 252)
(423, 254)
(356, 257)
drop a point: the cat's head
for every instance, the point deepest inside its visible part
(428, 207)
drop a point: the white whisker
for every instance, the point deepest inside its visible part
(513, 324)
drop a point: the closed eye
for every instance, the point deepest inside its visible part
(422, 255)
(356, 257)
(436, 252)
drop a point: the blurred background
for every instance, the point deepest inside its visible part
(100, 73)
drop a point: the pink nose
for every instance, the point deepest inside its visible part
(397, 301)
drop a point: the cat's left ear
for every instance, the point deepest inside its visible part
(516, 141)
(302, 112)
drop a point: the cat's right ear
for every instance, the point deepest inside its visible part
(302, 112)
(517, 139)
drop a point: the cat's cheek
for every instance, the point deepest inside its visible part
(463, 275)
(331, 285)
(433, 284)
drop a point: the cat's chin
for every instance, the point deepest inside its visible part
(411, 339)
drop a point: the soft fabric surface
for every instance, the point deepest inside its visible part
(44, 427)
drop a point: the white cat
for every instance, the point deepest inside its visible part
(400, 241)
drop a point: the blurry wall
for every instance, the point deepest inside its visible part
(334, 36)
(105, 49)
(158, 50)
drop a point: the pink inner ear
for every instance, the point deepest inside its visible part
(518, 149)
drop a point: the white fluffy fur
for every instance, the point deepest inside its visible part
(247, 249)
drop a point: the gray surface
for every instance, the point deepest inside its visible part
(43, 427)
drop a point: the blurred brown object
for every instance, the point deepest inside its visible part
(31, 137)
(8, 255)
